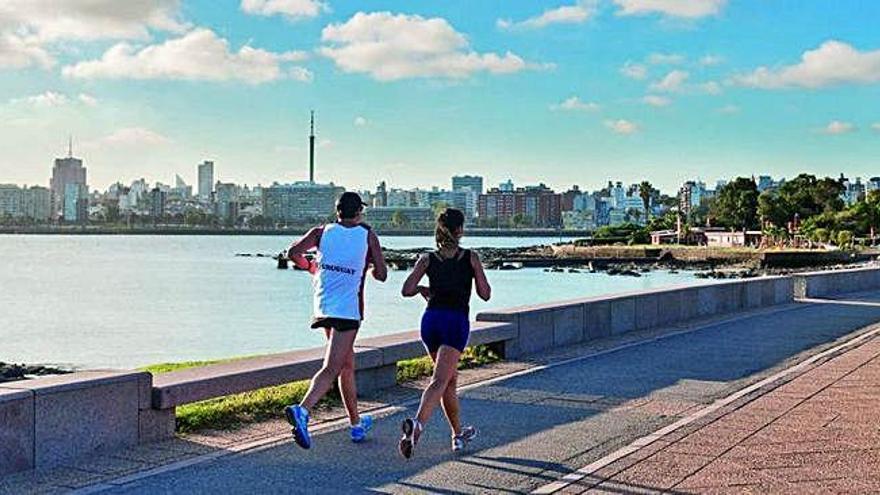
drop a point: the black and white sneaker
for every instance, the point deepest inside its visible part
(410, 437)
(460, 441)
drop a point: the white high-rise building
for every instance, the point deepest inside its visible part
(206, 179)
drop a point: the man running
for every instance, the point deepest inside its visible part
(345, 249)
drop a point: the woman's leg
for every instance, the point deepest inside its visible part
(445, 367)
(450, 404)
(339, 351)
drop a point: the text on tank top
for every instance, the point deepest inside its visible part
(342, 263)
(451, 280)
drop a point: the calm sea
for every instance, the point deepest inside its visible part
(128, 301)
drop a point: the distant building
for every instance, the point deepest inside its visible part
(66, 171)
(400, 217)
(537, 206)
(157, 203)
(76, 203)
(206, 180)
(181, 189)
(10, 201)
(506, 186)
(226, 202)
(37, 203)
(300, 202)
(873, 184)
(473, 183)
(722, 238)
(381, 197)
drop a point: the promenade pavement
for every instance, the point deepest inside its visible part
(545, 423)
(817, 433)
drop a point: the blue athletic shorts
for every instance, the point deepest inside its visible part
(445, 327)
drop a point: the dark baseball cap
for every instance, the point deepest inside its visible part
(349, 204)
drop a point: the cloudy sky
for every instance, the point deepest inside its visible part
(415, 91)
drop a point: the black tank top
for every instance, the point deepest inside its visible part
(450, 280)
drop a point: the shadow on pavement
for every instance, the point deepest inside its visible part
(538, 427)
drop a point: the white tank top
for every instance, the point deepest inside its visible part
(342, 264)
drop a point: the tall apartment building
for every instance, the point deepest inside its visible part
(539, 204)
(206, 180)
(66, 171)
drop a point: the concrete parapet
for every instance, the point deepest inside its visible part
(827, 283)
(81, 413)
(16, 430)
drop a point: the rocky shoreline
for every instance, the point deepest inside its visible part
(619, 261)
(11, 372)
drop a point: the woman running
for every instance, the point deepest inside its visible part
(451, 273)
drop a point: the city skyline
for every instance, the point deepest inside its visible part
(571, 92)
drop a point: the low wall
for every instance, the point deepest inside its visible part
(543, 326)
(828, 283)
(47, 421)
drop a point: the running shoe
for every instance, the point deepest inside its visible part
(360, 430)
(298, 417)
(460, 441)
(409, 438)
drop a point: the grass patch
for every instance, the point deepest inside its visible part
(232, 411)
(472, 357)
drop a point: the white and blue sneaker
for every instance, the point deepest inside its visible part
(360, 430)
(460, 441)
(298, 417)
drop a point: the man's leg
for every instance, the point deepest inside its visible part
(339, 350)
(348, 390)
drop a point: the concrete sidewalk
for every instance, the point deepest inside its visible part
(536, 426)
(818, 433)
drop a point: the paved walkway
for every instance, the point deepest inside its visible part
(818, 433)
(538, 426)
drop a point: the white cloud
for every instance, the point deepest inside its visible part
(87, 99)
(575, 104)
(836, 127)
(43, 100)
(634, 71)
(671, 82)
(292, 9)
(622, 126)
(578, 13)
(199, 55)
(711, 88)
(665, 59)
(834, 62)
(51, 20)
(390, 47)
(876, 126)
(129, 137)
(711, 60)
(729, 109)
(325, 143)
(360, 121)
(691, 9)
(17, 52)
(656, 100)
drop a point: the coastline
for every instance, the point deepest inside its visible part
(214, 231)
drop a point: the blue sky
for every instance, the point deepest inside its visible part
(412, 92)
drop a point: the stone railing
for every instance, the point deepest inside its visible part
(47, 421)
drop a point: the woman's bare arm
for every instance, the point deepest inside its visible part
(411, 286)
(484, 290)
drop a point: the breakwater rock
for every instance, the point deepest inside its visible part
(11, 372)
